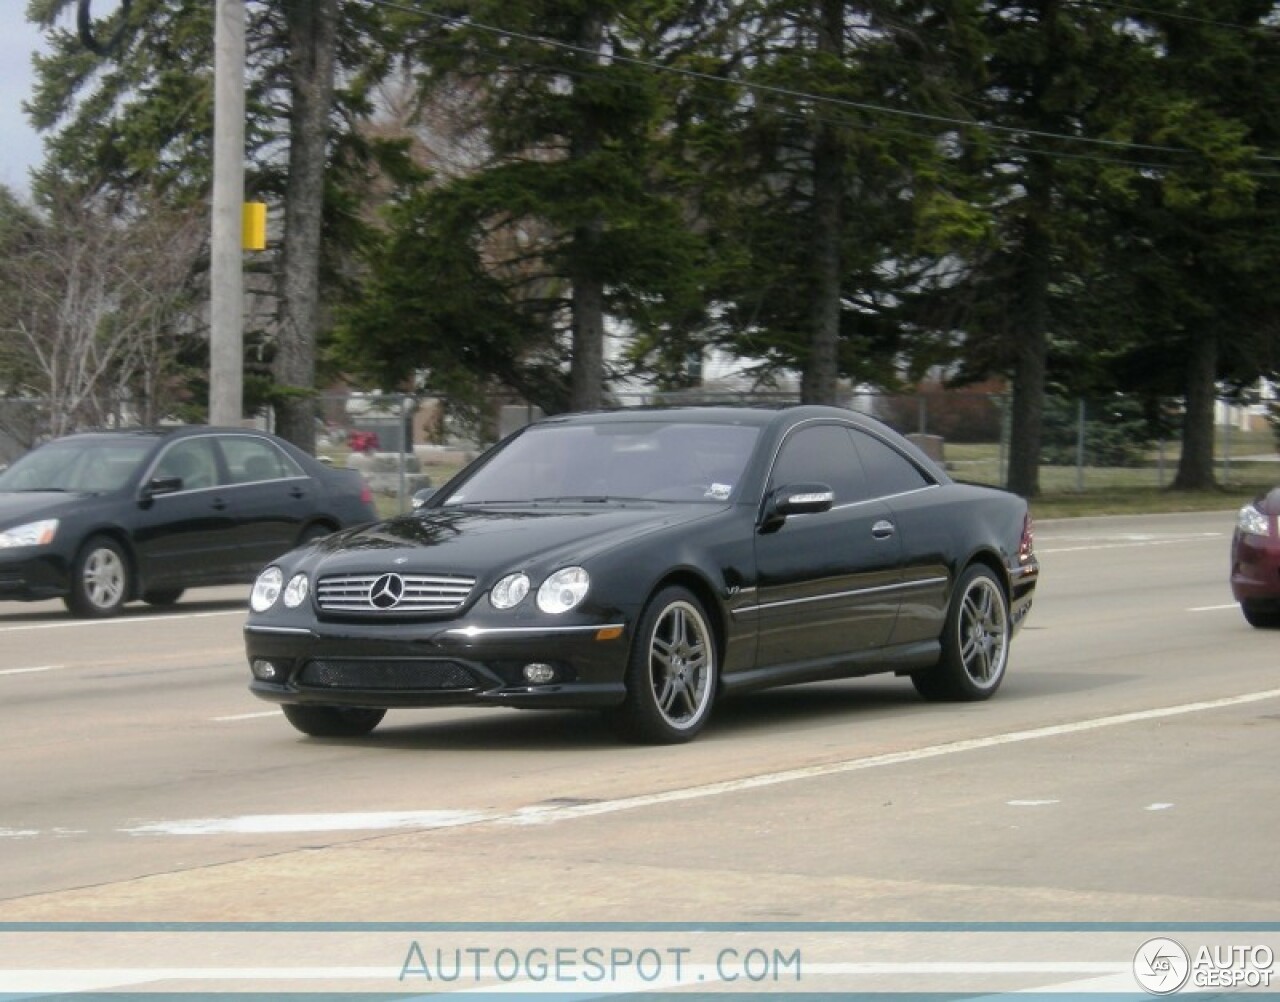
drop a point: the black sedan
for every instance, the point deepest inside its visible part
(646, 563)
(101, 518)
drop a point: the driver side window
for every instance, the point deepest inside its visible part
(821, 454)
(193, 460)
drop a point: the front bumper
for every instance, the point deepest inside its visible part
(1255, 567)
(28, 574)
(360, 664)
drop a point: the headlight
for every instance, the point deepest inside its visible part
(296, 592)
(31, 534)
(266, 589)
(563, 590)
(509, 592)
(1253, 522)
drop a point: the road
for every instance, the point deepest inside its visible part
(1124, 773)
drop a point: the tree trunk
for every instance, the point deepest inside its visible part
(818, 384)
(311, 25)
(1031, 347)
(587, 373)
(1195, 467)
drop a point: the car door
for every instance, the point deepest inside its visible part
(913, 499)
(271, 497)
(185, 536)
(827, 581)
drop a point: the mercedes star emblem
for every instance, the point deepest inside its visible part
(387, 591)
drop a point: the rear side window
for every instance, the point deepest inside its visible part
(253, 460)
(888, 471)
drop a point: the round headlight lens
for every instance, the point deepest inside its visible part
(266, 589)
(509, 592)
(295, 593)
(563, 590)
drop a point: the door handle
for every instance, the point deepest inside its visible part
(883, 529)
(297, 492)
(218, 504)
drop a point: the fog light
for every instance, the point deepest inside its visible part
(264, 670)
(539, 674)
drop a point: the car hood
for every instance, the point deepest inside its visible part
(19, 507)
(476, 541)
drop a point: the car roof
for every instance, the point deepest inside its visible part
(172, 431)
(754, 414)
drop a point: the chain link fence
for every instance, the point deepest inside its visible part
(403, 443)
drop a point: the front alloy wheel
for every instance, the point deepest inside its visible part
(672, 672)
(99, 579)
(975, 641)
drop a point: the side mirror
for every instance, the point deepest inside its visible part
(796, 499)
(160, 485)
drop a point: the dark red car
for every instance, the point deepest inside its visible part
(1255, 561)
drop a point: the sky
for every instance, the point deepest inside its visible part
(20, 147)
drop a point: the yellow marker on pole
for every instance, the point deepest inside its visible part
(254, 226)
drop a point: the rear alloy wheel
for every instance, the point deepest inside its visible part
(99, 579)
(975, 641)
(672, 674)
(162, 596)
(1263, 615)
(333, 721)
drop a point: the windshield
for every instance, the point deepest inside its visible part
(663, 461)
(89, 465)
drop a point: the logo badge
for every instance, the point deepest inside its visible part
(387, 591)
(1161, 966)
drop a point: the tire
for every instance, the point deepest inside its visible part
(162, 596)
(333, 721)
(672, 672)
(100, 579)
(975, 641)
(1262, 615)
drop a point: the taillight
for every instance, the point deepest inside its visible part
(1027, 547)
(366, 495)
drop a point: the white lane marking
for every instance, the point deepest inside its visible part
(18, 833)
(1130, 542)
(271, 824)
(552, 813)
(1157, 807)
(246, 716)
(120, 621)
(28, 671)
(1214, 608)
(1032, 803)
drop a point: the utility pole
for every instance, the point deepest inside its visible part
(226, 278)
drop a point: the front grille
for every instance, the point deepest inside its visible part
(393, 592)
(372, 673)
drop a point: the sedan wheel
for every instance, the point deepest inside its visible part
(333, 721)
(975, 641)
(99, 579)
(672, 675)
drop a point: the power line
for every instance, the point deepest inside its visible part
(791, 93)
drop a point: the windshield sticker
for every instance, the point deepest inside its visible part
(719, 492)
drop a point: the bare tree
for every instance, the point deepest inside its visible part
(95, 308)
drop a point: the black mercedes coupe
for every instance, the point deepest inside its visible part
(645, 563)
